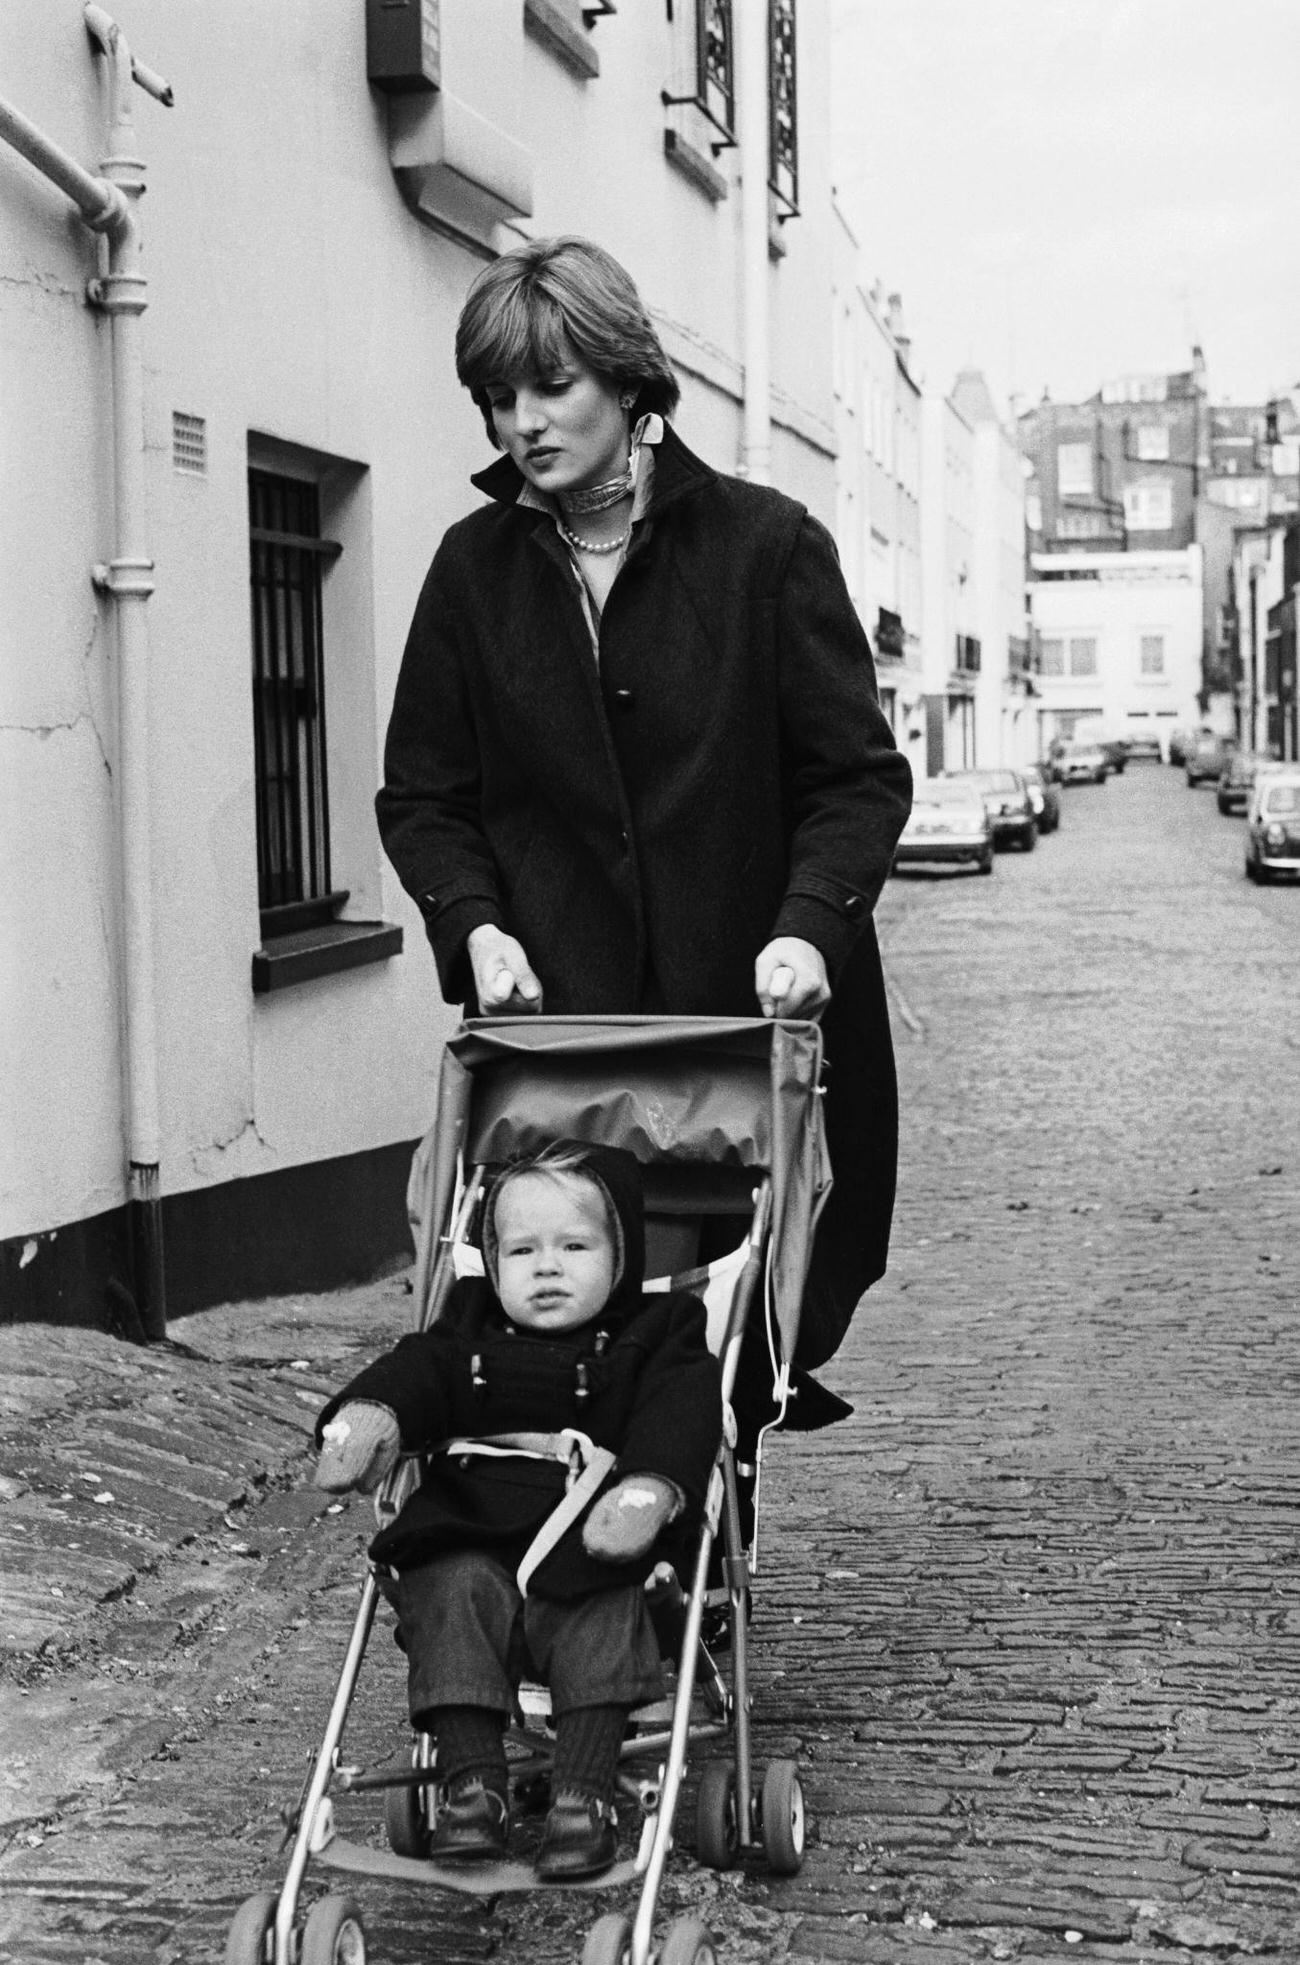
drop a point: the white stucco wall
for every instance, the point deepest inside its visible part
(292, 294)
(1117, 598)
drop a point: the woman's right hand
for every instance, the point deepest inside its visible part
(503, 977)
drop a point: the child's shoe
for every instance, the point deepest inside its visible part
(471, 1824)
(580, 1838)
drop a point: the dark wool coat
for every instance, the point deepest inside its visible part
(653, 1396)
(646, 826)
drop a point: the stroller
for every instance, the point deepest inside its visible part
(724, 1116)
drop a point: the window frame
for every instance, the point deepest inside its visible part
(333, 928)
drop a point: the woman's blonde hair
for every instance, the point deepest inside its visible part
(530, 308)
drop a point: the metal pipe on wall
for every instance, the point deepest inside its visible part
(751, 30)
(107, 204)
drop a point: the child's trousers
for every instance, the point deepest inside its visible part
(470, 1637)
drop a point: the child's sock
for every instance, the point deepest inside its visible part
(586, 1753)
(471, 1746)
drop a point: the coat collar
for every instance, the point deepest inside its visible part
(678, 471)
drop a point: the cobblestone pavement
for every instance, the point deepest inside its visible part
(1030, 1621)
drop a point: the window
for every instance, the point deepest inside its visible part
(1051, 656)
(1152, 655)
(782, 112)
(1080, 525)
(1074, 469)
(713, 87)
(1153, 442)
(319, 873)
(293, 858)
(1136, 389)
(1148, 508)
(1083, 655)
(1033, 511)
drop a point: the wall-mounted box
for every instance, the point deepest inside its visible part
(452, 153)
(404, 45)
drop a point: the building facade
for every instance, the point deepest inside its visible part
(878, 484)
(211, 980)
(1117, 639)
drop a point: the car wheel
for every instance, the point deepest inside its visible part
(1252, 871)
(1029, 839)
(986, 864)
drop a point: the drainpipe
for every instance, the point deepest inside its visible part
(107, 205)
(751, 30)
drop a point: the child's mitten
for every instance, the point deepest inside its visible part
(359, 1447)
(625, 1522)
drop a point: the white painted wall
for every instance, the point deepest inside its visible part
(1117, 598)
(292, 293)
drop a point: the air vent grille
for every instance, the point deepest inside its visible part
(189, 444)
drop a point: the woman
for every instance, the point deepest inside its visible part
(636, 761)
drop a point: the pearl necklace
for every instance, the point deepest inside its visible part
(594, 545)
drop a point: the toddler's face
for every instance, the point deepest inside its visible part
(555, 1253)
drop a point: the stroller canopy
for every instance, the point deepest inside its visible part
(702, 1092)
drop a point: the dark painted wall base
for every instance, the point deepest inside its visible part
(306, 1228)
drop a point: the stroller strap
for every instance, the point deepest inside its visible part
(588, 1466)
(569, 1445)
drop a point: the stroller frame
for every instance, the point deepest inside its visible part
(735, 1814)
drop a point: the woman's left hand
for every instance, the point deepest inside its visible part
(790, 979)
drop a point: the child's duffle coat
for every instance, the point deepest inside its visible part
(639, 1379)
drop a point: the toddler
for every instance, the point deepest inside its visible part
(557, 1335)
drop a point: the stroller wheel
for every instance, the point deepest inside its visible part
(404, 1822)
(688, 1942)
(784, 1823)
(717, 1832)
(609, 1941)
(246, 1941)
(333, 1934)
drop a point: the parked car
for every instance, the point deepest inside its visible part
(1237, 779)
(1273, 825)
(1116, 753)
(1079, 764)
(1006, 800)
(1144, 747)
(1206, 756)
(948, 825)
(1043, 796)
(1178, 743)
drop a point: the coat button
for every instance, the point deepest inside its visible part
(625, 699)
(625, 842)
(854, 905)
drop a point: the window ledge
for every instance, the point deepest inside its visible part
(549, 24)
(693, 164)
(322, 951)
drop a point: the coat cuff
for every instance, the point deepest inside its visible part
(449, 925)
(832, 926)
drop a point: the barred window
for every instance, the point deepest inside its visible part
(1051, 656)
(1083, 655)
(783, 118)
(287, 556)
(1152, 655)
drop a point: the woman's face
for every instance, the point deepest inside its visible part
(564, 429)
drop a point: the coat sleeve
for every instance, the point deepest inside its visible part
(414, 1380)
(428, 807)
(676, 1423)
(849, 787)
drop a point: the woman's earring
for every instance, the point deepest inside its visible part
(627, 399)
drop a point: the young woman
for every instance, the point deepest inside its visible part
(636, 761)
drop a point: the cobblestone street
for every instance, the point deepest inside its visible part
(1030, 1620)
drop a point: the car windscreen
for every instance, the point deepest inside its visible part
(1282, 801)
